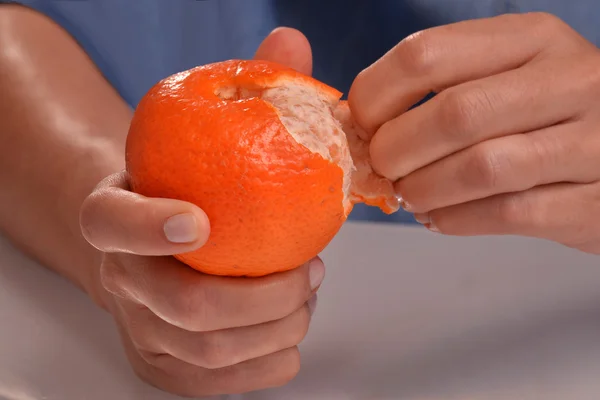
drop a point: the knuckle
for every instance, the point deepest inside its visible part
(140, 326)
(510, 210)
(383, 151)
(214, 353)
(542, 156)
(293, 363)
(290, 366)
(361, 100)
(515, 210)
(144, 369)
(87, 217)
(594, 84)
(380, 160)
(546, 21)
(140, 342)
(592, 76)
(278, 371)
(415, 54)
(191, 308)
(485, 168)
(550, 26)
(150, 358)
(98, 220)
(113, 276)
(298, 289)
(460, 110)
(291, 304)
(300, 326)
(359, 91)
(169, 375)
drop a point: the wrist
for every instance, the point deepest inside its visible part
(98, 162)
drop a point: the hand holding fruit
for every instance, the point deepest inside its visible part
(187, 332)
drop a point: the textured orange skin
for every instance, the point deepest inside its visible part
(272, 204)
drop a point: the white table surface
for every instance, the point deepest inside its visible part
(403, 314)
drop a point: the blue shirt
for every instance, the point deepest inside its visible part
(135, 43)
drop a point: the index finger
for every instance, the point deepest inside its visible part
(200, 302)
(445, 56)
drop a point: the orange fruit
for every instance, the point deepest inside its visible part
(272, 156)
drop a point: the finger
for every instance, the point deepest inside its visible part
(216, 349)
(198, 302)
(438, 58)
(517, 101)
(114, 219)
(178, 377)
(558, 212)
(289, 47)
(563, 153)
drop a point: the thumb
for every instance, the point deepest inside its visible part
(289, 47)
(114, 219)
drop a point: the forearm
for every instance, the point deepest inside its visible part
(63, 130)
(48, 180)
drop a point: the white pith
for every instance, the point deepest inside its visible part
(325, 127)
(308, 117)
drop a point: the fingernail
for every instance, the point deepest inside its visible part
(316, 273)
(403, 203)
(423, 218)
(312, 304)
(181, 228)
(431, 226)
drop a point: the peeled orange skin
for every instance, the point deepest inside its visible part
(272, 203)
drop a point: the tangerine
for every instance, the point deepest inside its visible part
(271, 155)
